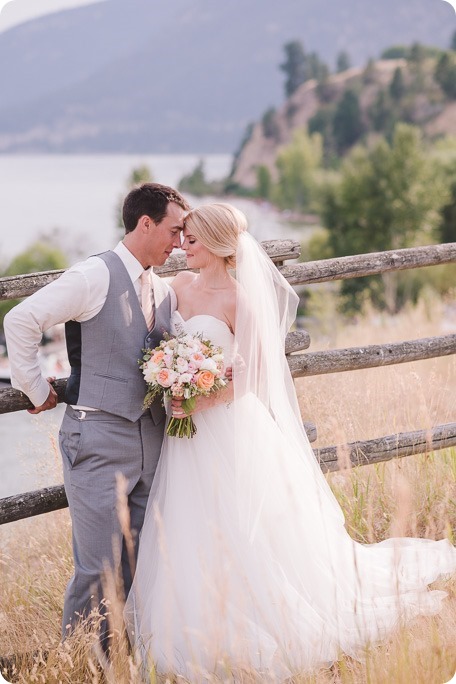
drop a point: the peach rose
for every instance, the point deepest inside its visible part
(166, 377)
(205, 380)
(157, 357)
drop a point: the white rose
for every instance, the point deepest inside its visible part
(184, 378)
(210, 365)
(152, 367)
(181, 365)
(150, 375)
(183, 350)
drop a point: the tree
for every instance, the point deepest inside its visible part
(447, 227)
(417, 53)
(396, 52)
(295, 66)
(270, 125)
(381, 113)
(296, 165)
(397, 85)
(300, 66)
(348, 125)
(317, 68)
(36, 258)
(453, 42)
(195, 183)
(368, 76)
(445, 74)
(325, 90)
(323, 122)
(388, 197)
(343, 62)
(140, 174)
(264, 182)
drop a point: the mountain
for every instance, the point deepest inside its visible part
(143, 76)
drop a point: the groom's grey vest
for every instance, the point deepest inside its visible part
(103, 352)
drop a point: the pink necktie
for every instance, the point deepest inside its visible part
(146, 299)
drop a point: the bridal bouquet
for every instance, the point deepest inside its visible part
(184, 366)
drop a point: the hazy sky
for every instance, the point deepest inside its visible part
(16, 11)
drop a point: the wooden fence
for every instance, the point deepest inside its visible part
(301, 364)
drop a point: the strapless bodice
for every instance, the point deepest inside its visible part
(211, 327)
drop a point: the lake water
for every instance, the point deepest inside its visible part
(78, 196)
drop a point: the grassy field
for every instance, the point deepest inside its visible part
(411, 496)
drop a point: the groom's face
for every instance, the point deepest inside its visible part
(166, 235)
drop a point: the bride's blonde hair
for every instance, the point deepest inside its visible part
(217, 226)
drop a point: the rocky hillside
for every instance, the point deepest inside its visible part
(428, 107)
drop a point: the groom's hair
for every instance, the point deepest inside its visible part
(149, 199)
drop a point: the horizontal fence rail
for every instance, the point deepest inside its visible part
(385, 448)
(359, 265)
(14, 508)
(372, 356)
(304, 365)
(16, 287)
(339, 268)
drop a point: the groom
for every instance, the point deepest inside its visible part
(112, 306)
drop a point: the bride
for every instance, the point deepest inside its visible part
(244, 560)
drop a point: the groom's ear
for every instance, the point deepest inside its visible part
(145, 224)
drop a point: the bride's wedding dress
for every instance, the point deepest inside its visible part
(247, 564)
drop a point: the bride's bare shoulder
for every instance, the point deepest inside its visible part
(182, 279)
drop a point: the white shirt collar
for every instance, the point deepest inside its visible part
(131, 263)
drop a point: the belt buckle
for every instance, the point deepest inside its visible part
(82, 414)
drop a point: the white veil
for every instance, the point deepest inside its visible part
(266, 309)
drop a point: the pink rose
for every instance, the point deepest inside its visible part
(197, 359)
(166, 377)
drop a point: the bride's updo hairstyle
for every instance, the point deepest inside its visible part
(217, 227)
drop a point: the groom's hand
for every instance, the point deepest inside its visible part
(51, 401)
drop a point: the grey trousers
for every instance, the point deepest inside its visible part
(95, 447)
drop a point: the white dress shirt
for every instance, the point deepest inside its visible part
(78, 294)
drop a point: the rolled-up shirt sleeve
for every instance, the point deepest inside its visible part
(78, 294)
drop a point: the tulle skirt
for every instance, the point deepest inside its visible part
(263, 576)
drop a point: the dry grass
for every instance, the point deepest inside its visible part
(413, 496)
